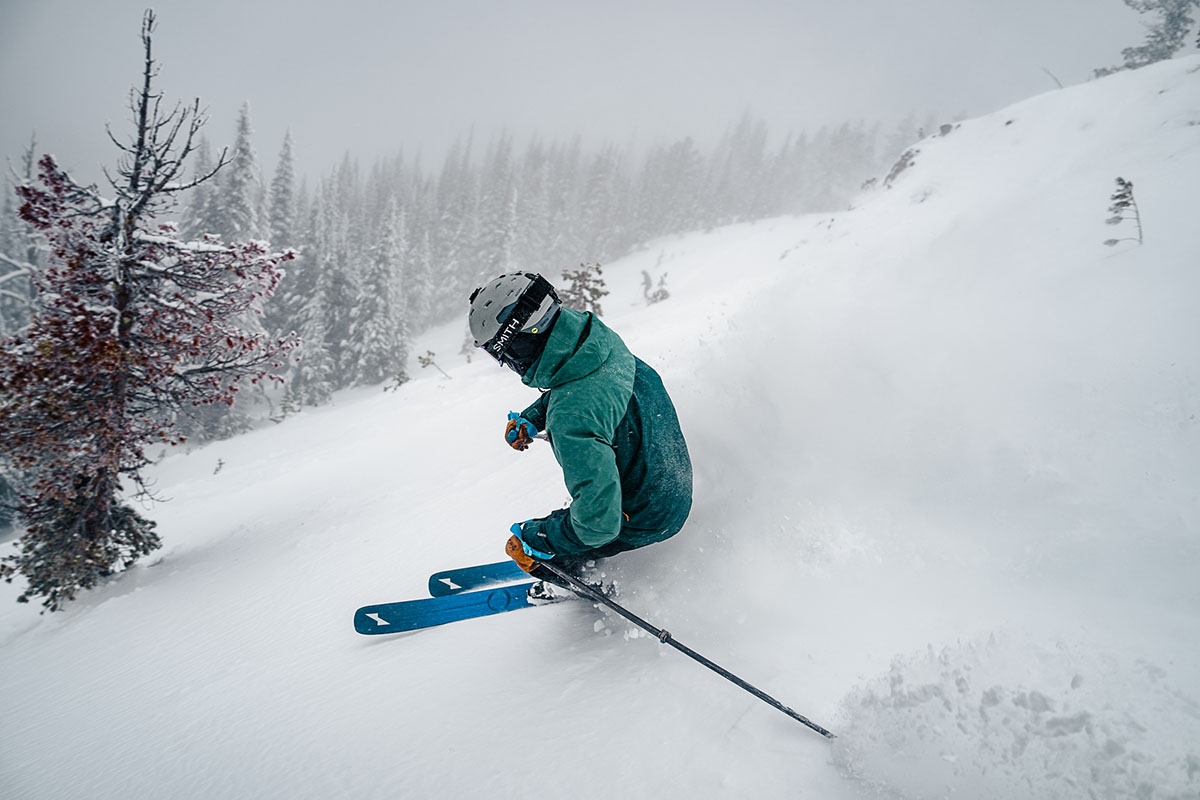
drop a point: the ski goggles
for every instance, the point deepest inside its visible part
(527, 304)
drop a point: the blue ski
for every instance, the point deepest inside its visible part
(453, 581)
(411, 615)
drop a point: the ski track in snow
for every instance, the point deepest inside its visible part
(947, 460)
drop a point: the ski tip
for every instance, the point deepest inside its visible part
(370, 623)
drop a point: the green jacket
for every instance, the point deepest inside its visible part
(616, 436)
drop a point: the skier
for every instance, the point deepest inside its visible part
(607, 417)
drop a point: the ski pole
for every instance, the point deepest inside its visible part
(665, 637)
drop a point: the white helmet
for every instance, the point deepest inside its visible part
(518, 303)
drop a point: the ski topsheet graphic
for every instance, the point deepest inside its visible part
(411, 615)
(453, 581)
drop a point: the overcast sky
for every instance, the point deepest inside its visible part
(373, 76)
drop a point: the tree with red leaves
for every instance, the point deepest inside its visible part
(132, 328)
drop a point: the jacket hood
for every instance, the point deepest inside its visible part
(578, 345)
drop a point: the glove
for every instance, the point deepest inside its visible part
(522, 553)
(517, 553)
(520, 431)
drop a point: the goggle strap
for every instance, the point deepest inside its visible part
(529, 302)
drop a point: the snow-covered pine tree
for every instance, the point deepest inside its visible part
(132, 328)
(14, 271)
(286, 308)
(232, 210)
(737, 167)
(281, 223)
(531, 250)
(685, 203)
(20, 254)
(8, 504)
(310, 381)
(341, 269)
(852, 156)
(311, 378)
(566, 190)
(649, 215)
(418, 283)
(380, 331)
(603, 201)
(282, 219)
(507, 237)
(18, 258)
(581, 289)
(1164, 38)
(454, 226)
(239, 187)
(497, 213)
(204, 215)
(1124, 206)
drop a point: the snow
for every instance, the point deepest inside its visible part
(947, 492)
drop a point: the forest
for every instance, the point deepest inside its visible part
(385, 251)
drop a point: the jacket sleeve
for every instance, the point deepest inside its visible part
(536, 413)
(589, 467)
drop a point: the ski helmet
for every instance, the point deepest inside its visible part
(510, 314)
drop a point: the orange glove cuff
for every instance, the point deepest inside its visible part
(517, 553)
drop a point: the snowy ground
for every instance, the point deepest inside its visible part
(948, 484)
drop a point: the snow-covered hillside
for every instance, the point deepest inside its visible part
(947, 504)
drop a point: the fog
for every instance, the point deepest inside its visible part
(372, 77)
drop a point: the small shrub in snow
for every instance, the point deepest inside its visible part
(654, 294)
(427, 361)
(1124, 206)
(582, 288)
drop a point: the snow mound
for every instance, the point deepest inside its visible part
(988, 721)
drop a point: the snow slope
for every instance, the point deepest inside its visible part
(947, 475)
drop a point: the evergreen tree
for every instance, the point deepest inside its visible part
(311, 378)
(1164, 38)
(497, 213)
(418, 284)
(341, 272)
(132, 328)
(15, 272)
(287, 307)
(380, 330)
(565, 190)
(603, 200)
(8, 504)
(1124, 206)
(282, 231)
(282, 219)
(738, 165)
(903, 136)
(582, 288)
(453, 229)
(682, 197)
(239, 187)
(204, 215)
(20, 255)
(851, 154)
